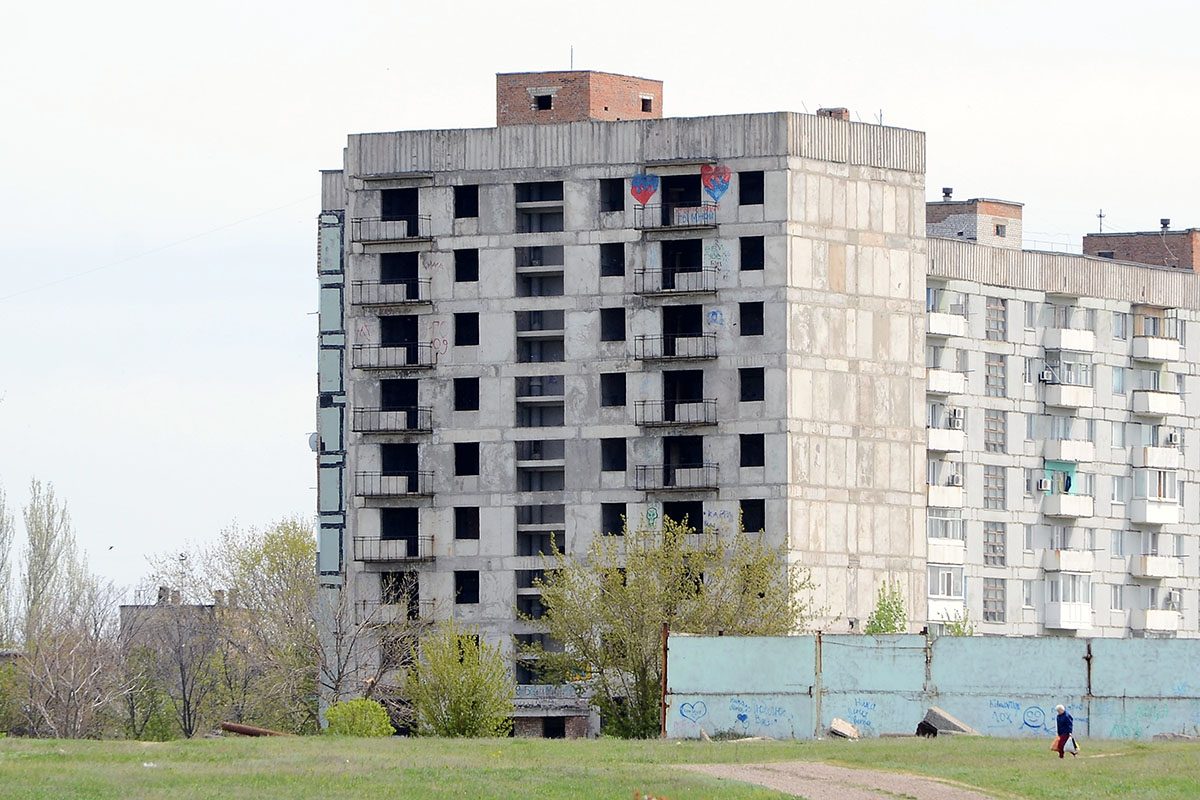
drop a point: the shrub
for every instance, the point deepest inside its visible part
(358, 718)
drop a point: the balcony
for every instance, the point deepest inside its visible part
(675, 281)
(1066, 395)
(655, 413)
(1155, 348)
(1067, 505)
(945, 440)
(1157, 620)
(938, 324)
(943, 381)
(668, 477)
(378, 229)
(376, 613)
(945, 496)
(1068, 560)
(1153, 511)
(416, 548)
(415, 355)
(418, 419)
(377, 293)
(662, 347)
(946, 551)
(943, 609)
(1078, 341)
(1148, 403)
(377, 484)
(1068, 616)
(1156, 457)
(1154, 567)
(1069, 450)
(678, 216)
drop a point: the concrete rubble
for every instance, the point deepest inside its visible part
(839, 727)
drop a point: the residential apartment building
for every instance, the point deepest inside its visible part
(532, 332)
(1061, 459)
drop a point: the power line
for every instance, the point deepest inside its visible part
(154, 250)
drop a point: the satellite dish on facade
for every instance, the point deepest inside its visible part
(313, 440)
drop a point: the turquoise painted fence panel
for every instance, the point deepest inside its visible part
(1144, 686)
(874, 682)
(733, 664)
(780, 716)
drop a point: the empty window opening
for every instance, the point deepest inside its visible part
(466, 394)
(402, 268)
(690, 512)
(399, 459)
(400, 331)
(678, 191)
(466, 586)
(753, 251)
(612, 522)
(612, 389)
(556, 727)
(543, 102)
(401, 589)
(541, 416)
(647, 105)
(612, 455)
(466, 458)
(531, 605)
(400, 525)
(750, 188)
(754, 515)
(540, 386)
(466, 201)
(612, 260)
(539, 256)
(540, 449)
(612, 194)
(540, 480)
(536, 351)
(539, 221)
(612, 324)
(540, 285)
(539, 192)
(398, 393)
(466, 265)
(750, 317)
(466, 328)
(400, 204)
(1107, 254)
(752, 450)
(681, 452)
(681, 386)
(752, 383)
(540, 543)
(1001, 230)
(680, 255)
(466, 522)
(683, 321)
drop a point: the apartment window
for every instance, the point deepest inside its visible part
(994, 431)
(1027, 594)
(1029, 479)
(752, 384)
(543, 102)
(612, 194)
(612, 324)
(945, 581)
(996, 320)
(1106, 253)
(647, 105)
(754, 515)
(466, 266)
(1118, 380)
(1116, 597)
(1030, 423)
(1118, 434)
(612, 389)
(750, 188)
(1120, 489)
(1030, 374)
(752, 450)
(612, 260)
(993, 600)
(1156, 484)
(753, 253)
(466, 201)
(750, 317)
(1117, 545)
(1073, 369)
(466, 394)
(612, 455)
(1031, 309)
(995, 544)
(612, 521)
(1028, 538)
(1120, 325)
(466, 586)
(466, 458)
(944, 523)
(993, 486)
(466, 328)
(993, 375)
(466, 522)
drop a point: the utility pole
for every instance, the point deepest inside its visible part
(1100, 216)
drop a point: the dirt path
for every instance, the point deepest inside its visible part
(816, 781)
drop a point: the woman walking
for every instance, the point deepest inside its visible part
(1066, 726)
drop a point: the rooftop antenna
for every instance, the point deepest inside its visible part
(572, 57)
(1100, 216)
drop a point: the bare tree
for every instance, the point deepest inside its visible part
(7, 531)
(48, 556)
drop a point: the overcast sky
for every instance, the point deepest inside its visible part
(160, 177)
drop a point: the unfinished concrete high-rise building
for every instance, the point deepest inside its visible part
(532, 331)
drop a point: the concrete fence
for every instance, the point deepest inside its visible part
(792, 687)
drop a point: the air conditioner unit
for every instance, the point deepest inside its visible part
(1043, 485)
(954, 480)
(1046, 376)
(1173, 439)
(955, 423)
(956, 413)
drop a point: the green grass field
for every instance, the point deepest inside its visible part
(329, 768)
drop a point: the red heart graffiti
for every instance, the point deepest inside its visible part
(715, 180)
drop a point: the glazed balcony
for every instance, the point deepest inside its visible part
(1068, 616)
(945, 496)
(945, 440)
(943, 381)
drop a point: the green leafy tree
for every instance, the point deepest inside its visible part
(889, 615)
(360, 717)
(959, 624)
(605, 612)
(458, 685)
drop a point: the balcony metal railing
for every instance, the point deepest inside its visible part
(675, 477)
(378, 293)
(378, 229)
(414, 548)
(675, 346)
(409, 484)
(675, 281)
(379, 613)
(672, 412)
(414, 355)
(416, 419)
(675, 215)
